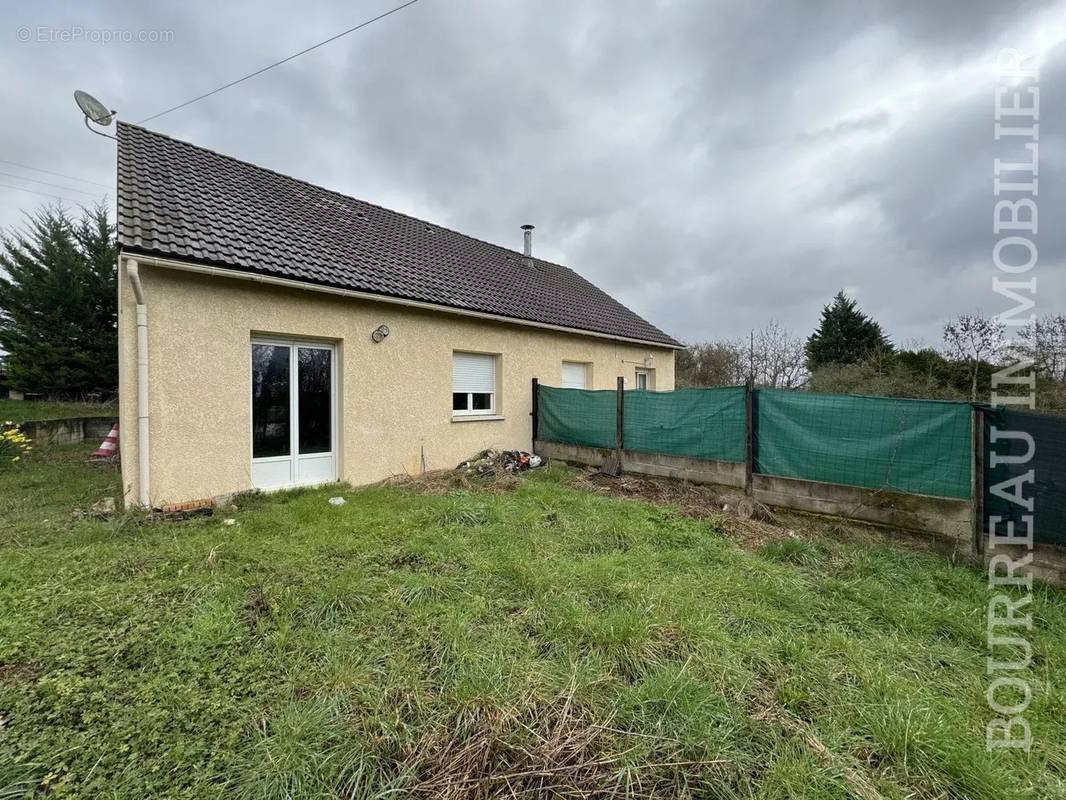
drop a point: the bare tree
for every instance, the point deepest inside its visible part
(975, 340)
(772, 357)
(710, 364)
(777, 358)
(1043, 341)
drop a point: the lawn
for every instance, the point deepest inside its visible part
(542, 642)
(26, 410)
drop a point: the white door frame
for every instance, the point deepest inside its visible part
(294, 413)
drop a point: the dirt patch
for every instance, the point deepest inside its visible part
(763, 708)
(111, 464)
(749, 523)
(256, 607)
(12, 673)
(446, 481)
(870, 534)
(490, 470)
(693, 500)
(550, 749)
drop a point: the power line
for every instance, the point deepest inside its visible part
(49, 172)
(53, 185)
(43, 194)
(279, 63)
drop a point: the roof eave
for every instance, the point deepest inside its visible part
(215, 270)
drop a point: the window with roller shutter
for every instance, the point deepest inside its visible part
(575, 375)
(473, 383)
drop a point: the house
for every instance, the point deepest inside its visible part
(273, 333)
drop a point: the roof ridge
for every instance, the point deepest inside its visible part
(319, 188)
(410, 257)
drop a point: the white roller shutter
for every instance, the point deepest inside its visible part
(473, 373)
(575, 375)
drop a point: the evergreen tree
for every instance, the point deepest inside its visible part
(844, 336)
(58, 304)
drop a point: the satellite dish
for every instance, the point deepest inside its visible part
(92, 108)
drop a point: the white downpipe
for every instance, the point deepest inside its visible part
(142, 384)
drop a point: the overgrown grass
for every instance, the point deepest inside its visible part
(26, 410)
(543, 642)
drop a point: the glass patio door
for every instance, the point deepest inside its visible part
(293, 414)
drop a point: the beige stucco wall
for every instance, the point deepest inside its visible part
(394, 398)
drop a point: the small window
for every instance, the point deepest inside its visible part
(645, 379)
(575, 375)
(473, 384)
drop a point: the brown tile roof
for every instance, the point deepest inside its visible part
(182, 201)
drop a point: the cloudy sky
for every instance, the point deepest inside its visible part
(713, 165)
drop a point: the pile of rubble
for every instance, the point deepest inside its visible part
(748, 521)
(489, 471)
(492, 463)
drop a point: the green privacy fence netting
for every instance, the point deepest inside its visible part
(577, 416)
(697, 423)
(1008, 462)
(917, 446)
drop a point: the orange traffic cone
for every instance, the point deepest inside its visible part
(109, 448)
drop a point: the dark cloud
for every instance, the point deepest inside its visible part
(713, 165)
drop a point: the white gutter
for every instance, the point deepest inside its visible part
(142, 383)
(288, 283)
